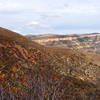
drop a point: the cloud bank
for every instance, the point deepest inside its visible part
(50, 16)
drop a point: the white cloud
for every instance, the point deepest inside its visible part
(9, 6)
(48, 15)
(37, 25)
(78, 9)
(17, 31)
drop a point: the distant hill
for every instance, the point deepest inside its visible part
(88, 42)
(30, 71)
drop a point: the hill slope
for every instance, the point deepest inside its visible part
(87, 42)
(29, 71)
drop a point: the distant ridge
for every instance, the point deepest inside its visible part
(87, 42)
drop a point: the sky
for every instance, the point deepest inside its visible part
(50, 16)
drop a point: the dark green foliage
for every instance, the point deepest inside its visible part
(83, 39)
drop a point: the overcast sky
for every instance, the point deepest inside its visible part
(50, 16)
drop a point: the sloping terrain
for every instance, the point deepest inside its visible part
(87, 42)
(29, 71)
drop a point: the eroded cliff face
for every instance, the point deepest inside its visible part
(87, 42)
(29, 71)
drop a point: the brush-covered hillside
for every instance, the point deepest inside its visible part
(29, 71)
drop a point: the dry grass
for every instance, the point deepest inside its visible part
(29, 71)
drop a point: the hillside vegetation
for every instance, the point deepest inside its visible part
(29, 71)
